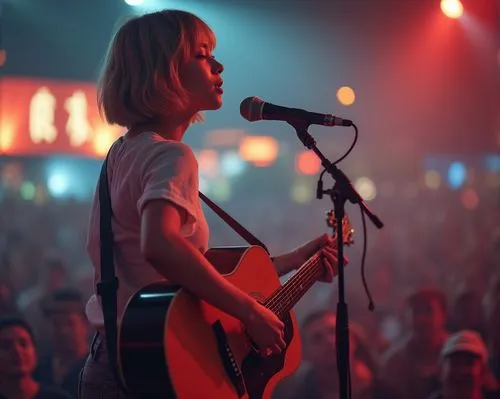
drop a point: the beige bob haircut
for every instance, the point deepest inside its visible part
(139, 83)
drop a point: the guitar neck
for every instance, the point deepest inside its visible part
(284, 299)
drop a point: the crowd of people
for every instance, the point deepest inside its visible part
(434, 332)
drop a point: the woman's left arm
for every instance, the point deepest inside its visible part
(288, 262)
(291, 261)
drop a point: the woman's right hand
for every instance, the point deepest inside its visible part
(265, 330)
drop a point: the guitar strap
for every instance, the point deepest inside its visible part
(236, 226)
(108, 286)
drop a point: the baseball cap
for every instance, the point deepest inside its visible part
(465, 341)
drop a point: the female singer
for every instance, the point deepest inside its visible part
(159, 74)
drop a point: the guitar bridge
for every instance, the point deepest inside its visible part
(227, 356)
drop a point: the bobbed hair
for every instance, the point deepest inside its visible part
(139, 83)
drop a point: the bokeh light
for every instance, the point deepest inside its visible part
(470, 199)
(457, 173)
(346, 95)
(452, 8)
(432, 179)
(259, 150)
(366, 188)
(307, 163)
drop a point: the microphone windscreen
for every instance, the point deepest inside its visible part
(251, 109)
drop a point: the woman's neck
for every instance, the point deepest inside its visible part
(172, 128)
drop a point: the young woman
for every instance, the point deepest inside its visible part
(159, 74)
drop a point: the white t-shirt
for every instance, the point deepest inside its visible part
(140, 169)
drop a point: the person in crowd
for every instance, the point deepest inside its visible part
(411, 364)
(65, 311)
(54, 274)
(467, 312)
(18, 359)
(464, 369)
(7, 302)
(319, 378)
(491, 303)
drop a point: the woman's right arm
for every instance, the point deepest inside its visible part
(172, 169)
(181, 263)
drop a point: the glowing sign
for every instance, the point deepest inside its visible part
(44, 117)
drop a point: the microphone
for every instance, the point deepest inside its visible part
(254, 109)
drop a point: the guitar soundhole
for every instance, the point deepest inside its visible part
(258, 370)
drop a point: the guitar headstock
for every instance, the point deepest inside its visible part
(347, 230)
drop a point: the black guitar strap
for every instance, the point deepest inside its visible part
(108, 286)
(237, 227)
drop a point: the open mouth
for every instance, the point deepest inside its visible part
(218, 86)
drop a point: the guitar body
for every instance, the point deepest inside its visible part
(172, 345)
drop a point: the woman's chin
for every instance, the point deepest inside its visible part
(214, 105)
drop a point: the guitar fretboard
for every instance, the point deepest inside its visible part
(284, 299)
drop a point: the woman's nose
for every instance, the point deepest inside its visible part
(217, 67)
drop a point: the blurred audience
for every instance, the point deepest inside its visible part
(430, 240)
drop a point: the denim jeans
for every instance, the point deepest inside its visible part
(97, 380)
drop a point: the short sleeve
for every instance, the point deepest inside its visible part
(170, 172)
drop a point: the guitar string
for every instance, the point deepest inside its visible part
(300, 278)
(288, 291)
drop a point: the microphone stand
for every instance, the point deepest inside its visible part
(341, 191)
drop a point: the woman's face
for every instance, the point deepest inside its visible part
(201, 77)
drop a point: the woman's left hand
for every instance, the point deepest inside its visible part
(328, 255)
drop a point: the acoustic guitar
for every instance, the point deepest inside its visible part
(173, 345)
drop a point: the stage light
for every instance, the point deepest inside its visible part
(134, 3)
(452, 8)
